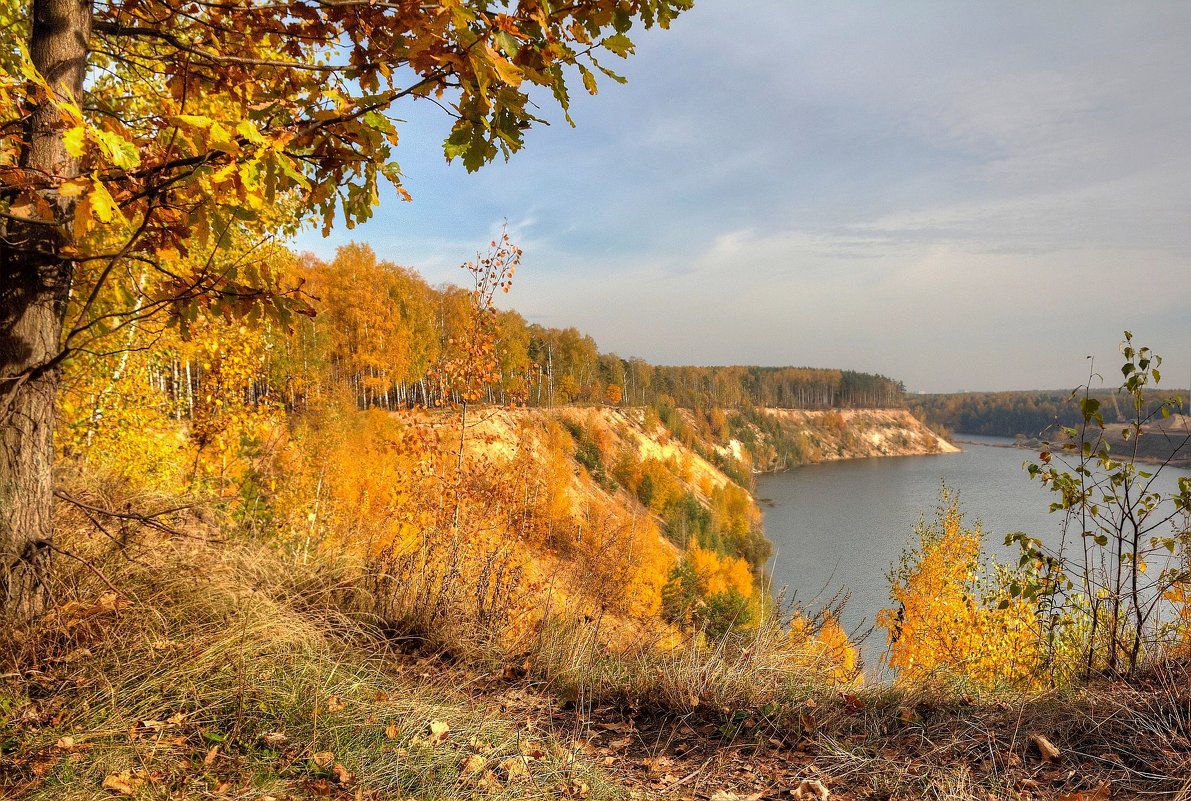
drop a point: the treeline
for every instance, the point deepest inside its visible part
(777, 387)
(384, 335)
(1035, 414)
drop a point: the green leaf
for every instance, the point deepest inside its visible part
(619, 44)
(120, 152)
(508, 43)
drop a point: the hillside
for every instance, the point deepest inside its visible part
(359, 620)
(322, 560)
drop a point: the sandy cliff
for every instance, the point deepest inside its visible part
(805, 437)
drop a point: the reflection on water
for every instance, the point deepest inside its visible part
(841, 526)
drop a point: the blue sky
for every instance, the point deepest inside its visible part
(960, 195)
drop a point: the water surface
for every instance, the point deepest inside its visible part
(841, 526)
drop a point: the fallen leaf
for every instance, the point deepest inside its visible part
(1048, 750)
(212, 753)
(124, 783)
(342, 775)
(622, 727)
(391, 731)
(725, 795)
(274, 739)
(1101, 793)
(438, 731)
(515, 768)
(65, 743)
(323, 759)
(810, 790)
(473, 764)
(76, 655)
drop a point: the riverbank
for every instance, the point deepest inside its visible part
(787, 438)
(1162, 442)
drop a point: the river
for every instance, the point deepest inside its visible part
(841, 526)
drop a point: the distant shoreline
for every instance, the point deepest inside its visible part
(1180, 462)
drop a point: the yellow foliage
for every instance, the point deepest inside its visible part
(830, 645)
(1180, 597)
(733, 511)
(950, 620)
(719, 573)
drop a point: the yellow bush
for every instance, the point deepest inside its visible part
(828, 646)
(951, 618)
(719, 574)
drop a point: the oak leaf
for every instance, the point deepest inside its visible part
(123, 783)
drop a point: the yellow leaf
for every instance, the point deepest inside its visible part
(504, 68)
(75, 141)
(589, 81)
(438, 731)
(74, 187)
(102, 203)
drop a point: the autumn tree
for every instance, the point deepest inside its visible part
(954, 616)
(141, 132)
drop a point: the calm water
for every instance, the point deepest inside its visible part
(841, 526)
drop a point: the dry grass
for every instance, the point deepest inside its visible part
(930, 743)
(754, 669)
(225, 671)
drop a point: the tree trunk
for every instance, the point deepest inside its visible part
(35, 276)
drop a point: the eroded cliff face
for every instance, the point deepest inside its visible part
(644, 518)
(796, 436)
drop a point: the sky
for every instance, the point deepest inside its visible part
(963, 196)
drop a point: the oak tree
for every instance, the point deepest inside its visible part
(138, 135)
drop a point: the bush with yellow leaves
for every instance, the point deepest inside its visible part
(953, 617)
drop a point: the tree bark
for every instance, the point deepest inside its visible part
(35, 274)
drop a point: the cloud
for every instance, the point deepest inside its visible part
(957, 194)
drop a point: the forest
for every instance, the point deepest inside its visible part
(381, 331)
(1033, 414)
